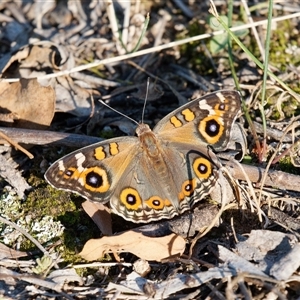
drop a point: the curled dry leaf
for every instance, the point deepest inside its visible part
(38, 59)
(144, 247)
(32, 103)
(32, 60)
(100, 214)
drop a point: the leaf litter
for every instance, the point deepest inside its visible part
(236, 257)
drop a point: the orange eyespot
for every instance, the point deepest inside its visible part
(187, 189)
(211, 128)
(95, 179)
(157, 203)
(130, 198)
(202, 167)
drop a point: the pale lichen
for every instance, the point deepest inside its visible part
(44, 228)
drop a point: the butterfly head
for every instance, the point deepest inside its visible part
(142, 129)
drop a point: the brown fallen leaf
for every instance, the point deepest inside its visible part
(100, 214)
(29, 59)
(31, 102)
(144, 247)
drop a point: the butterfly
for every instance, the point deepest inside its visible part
(159, 173)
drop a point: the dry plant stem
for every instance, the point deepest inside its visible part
(245, 175)
(244, 290)
(95, 81)
(254, 31)
(208, 228)
(126, 23)
(289, 223)
(215, 293)
(233, 230)
(259, 281)
(273, 133)
(96, 63)
(41, 137)
(100, 264)
(285, 152)
(279, 179)
(36, 281)
(113, 23)
(290, 127)
(16, 145)
(194, 260)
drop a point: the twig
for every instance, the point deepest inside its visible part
(35, 137)
(281, 180)
(16, 145)
(41, 137)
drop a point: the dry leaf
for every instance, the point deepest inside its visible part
(40, 58)
(32, 103)
(144, 247)
(100, 214)
(34, 59)
(72, 98)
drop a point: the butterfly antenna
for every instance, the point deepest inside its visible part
(146, 98)
(118, 112)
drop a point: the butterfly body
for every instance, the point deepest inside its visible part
(160, 173)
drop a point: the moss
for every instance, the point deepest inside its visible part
(281, 46)
(48, 201)
(286, 165)
(107, 134)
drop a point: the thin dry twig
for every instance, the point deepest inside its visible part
(110, 60)
(16, 145)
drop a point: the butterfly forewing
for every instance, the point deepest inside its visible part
(206, 121)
